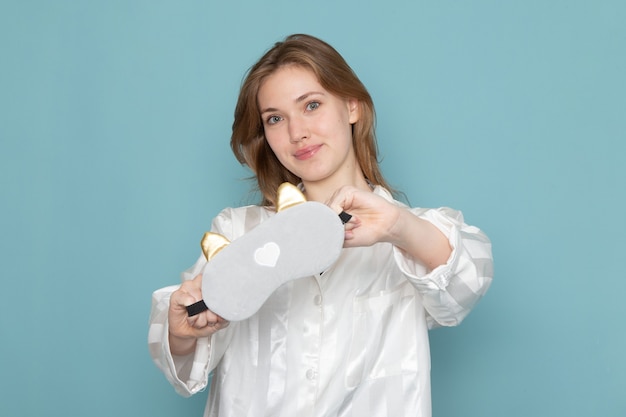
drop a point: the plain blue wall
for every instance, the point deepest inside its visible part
(114, 157)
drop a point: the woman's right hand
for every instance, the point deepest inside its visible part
(185, 330)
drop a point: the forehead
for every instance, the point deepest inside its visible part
(289, 83)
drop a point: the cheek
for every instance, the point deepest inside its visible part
(278, 131)
(343, 132)
(273, 140)
(275, 144)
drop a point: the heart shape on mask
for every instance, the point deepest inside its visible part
(267, 255)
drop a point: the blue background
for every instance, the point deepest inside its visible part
(114, 125)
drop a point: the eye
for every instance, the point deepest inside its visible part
(272, 120)
(312, 105)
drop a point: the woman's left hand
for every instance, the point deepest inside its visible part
(373, 217)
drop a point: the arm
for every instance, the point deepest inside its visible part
(177, 369)
(180, 346)
(448, 261)
(377, 219)
(418, 238)
(452, 289)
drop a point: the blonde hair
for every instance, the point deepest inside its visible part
(335, 75)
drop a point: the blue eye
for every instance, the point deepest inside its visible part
(312, 105)
(273, 120)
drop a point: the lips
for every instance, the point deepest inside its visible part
(306, 153)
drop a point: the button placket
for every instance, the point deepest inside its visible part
(317, 300)
(311, 374)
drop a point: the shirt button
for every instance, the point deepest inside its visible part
(311, 374)
(317, 300)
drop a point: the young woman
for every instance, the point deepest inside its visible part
(352, 341)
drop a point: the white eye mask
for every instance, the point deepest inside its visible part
(303, 240)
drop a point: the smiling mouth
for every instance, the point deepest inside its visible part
(306, 153)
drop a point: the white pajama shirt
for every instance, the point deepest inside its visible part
(351, 342)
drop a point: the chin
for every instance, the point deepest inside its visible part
(311, 177)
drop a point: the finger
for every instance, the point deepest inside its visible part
(208, 320)
(193, 286)
(352, 224)
(181, 299)
(189, 293)
(338, 201)
(197, 322)
(209, 330)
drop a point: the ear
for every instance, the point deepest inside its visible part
(212, 243)
(354, 110)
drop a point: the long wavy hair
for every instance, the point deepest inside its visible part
(248, 140)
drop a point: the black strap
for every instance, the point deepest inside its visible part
(196, 308)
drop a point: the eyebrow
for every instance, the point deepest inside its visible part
(298, 100)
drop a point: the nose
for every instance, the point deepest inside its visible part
(298, 130)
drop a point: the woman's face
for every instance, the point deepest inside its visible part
(308, 128)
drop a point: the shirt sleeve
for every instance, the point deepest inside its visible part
(185, 373)
(188, 374)
(451, 290)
